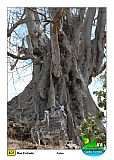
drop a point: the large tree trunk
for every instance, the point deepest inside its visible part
(62, 76)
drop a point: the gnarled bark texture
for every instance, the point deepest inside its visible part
(63, 67)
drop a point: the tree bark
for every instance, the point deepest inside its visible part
(61, 77)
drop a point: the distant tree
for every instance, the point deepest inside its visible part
(101, 95)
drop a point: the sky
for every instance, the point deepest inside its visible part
(17, 84)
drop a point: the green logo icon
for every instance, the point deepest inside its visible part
(93, 148)
(85, 140)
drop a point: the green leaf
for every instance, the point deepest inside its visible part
(100, 115)
(101, 104)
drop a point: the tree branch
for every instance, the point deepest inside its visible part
(38, 13)
(9, 31)
(26, 57)
(103, 67)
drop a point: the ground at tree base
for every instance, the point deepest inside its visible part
(17, 145)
